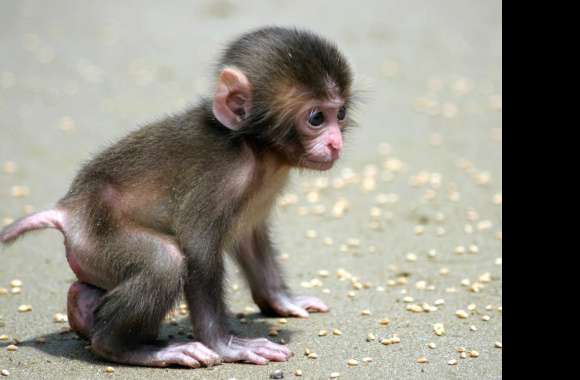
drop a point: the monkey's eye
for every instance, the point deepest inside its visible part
(316, 118)
(341, 113)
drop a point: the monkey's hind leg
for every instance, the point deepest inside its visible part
(147, 269)
(82, 301)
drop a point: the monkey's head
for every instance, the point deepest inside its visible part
(288, 90)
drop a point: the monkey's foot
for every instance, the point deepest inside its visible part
(191, 354)
(254, 351)
(292, 306)
(82, 301)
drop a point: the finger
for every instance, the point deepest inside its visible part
(253, 358)
(186, 361)
(273, 355)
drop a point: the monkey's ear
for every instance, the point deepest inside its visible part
(232, 98)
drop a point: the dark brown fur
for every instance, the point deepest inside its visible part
(150, 216)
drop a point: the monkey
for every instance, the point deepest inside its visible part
(151, 217)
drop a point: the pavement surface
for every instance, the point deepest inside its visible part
(408, 226)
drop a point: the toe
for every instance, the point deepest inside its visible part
(312, 304)
(252, 357)
(272, 355)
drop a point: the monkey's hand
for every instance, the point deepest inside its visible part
(283, 305)
(254, 351)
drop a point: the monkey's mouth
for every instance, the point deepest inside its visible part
(318, 165)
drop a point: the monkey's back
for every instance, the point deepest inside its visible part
(146, 175)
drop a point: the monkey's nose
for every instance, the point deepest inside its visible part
(334, 153)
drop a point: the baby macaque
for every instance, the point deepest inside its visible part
(150, 218)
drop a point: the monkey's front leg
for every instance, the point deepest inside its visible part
(255, 254)
(205, 298)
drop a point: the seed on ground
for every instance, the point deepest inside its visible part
(282, 321)
(371, 337)
(16, 283)
(365, 312)
(485, 277)
(415, 308)
(20, 191)
(334, 375)
(311, 234)
(323, 273)
(367, 359)
(473, 248)
(461, 314)
(460, 349)
(3, 291)
(452, 362)
(298, 372)
(444, 271)
(473, 354)
(312, 355)
(473, 328)
(384, 321)
(11, 348)
(463, 355)
(322, 333)
(471, 307)
(485, 318)
(432, 345)
(422, 360)
(411, 257)
(16, 290)
(4, 338)
(336, 332)
(498, 344)
(352, 362)
(439, 329)
(60, 318)
(273, 332)
(408, 299)
(9, 167)
(24, 308)
(109, 369)
(439, 302)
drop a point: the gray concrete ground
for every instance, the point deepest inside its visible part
(76, 75)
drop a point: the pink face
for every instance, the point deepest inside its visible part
(320, 125)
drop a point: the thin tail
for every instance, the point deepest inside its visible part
(40, 220)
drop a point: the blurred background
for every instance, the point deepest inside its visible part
(422, 172)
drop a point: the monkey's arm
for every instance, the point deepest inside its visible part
(256, 255)
(204, 294)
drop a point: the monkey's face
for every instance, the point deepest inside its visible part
(320, 125)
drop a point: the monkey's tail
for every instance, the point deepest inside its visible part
(44, 219)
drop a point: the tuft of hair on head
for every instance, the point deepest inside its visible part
(286, 67)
